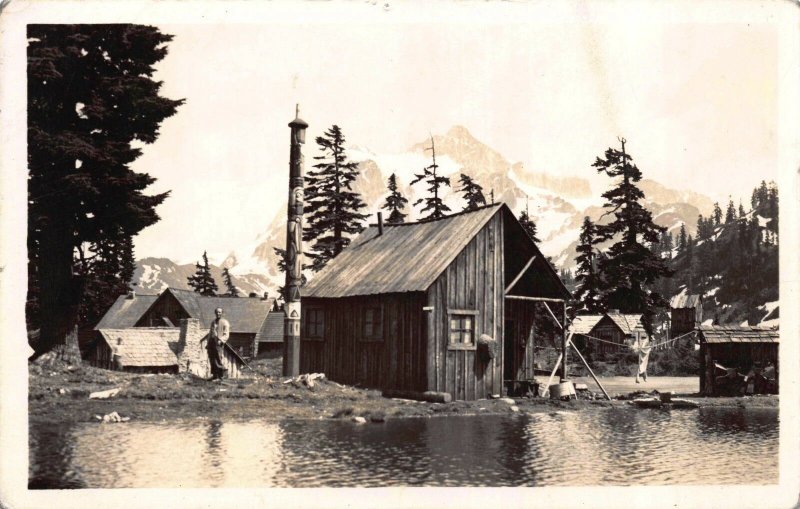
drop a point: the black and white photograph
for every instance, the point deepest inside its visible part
(252, 247)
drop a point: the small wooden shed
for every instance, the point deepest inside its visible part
(686, 314)
(404, 306)
(734, 347)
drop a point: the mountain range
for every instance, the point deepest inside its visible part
(556, 203)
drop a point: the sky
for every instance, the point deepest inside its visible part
(697, 103)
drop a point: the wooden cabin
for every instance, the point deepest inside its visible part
(615, 329)
(686, 314)
(735, 349)
(246, 315)
(269, 341)
(160, 350)
(404, 307)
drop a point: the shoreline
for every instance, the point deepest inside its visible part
(60, 394)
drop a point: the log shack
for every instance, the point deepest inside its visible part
(738, 348)
(404, 305)
(615, 330)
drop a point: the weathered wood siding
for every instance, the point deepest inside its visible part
(396, 361)
(474, 281)
(683, 320)
(243, 343)
(101, 355)
(606, 329)
(168, 307)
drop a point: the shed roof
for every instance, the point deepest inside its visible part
(407, 257)
(126, 311)
(738, 334)
(684, 301)
(272, 329)
(584, 324)
(630, 324)
(246, 315)
(144, 346)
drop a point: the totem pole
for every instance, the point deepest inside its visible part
(294, 250)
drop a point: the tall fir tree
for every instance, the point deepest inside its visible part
(472, 191)
(588, 291)
(730, 213)
(631, 268)
(395, 202)
(108, 272)
(717, 214)
(91, 99)
(202, 281)
(433, 202)
(228, 280)
(682, 238)
(529, 225)
(332, 208)
(741, 210)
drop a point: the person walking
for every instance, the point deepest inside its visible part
(218, 335)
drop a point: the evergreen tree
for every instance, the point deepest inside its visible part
(433, 202)
(588, 292)
(332, 207)
(528, 225)
(772, 207)
(730, 214)
(473, 193)
(91, 97)
(202, 281)
(717, 214)
(395, 202)
(682, 238)
(741, 210)
(108, 272)
(631, 268)
(228, 280)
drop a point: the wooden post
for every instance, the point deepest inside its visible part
(564, 344)
(294, 250)
(590, 369)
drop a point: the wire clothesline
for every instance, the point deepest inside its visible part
(651, 346)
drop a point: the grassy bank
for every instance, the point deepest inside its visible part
(60, 393)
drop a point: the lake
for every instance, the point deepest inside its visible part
(614, 446)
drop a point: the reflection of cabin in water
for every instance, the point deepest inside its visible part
(403, 307)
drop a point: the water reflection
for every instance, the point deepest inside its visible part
(605, 447)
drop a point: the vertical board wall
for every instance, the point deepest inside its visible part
(474, 281)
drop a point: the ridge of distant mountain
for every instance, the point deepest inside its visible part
(557, 204)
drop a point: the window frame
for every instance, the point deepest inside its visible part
(363, 323)
(461, 314)
(306, 320)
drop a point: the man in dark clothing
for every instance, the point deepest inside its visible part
(218, 334)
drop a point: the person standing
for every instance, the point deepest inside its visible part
(218, 335)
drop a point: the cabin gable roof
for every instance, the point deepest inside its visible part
(407, 257)
(126, 311)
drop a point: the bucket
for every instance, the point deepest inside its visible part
(562, 390)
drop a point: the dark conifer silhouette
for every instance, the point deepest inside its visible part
(332, 207)
(395, 202)
(588, 292)
(202, 281)
(433, 202)
(473, 193)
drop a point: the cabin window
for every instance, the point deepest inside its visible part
(462, 328)
(372, 323)
(315, 323)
